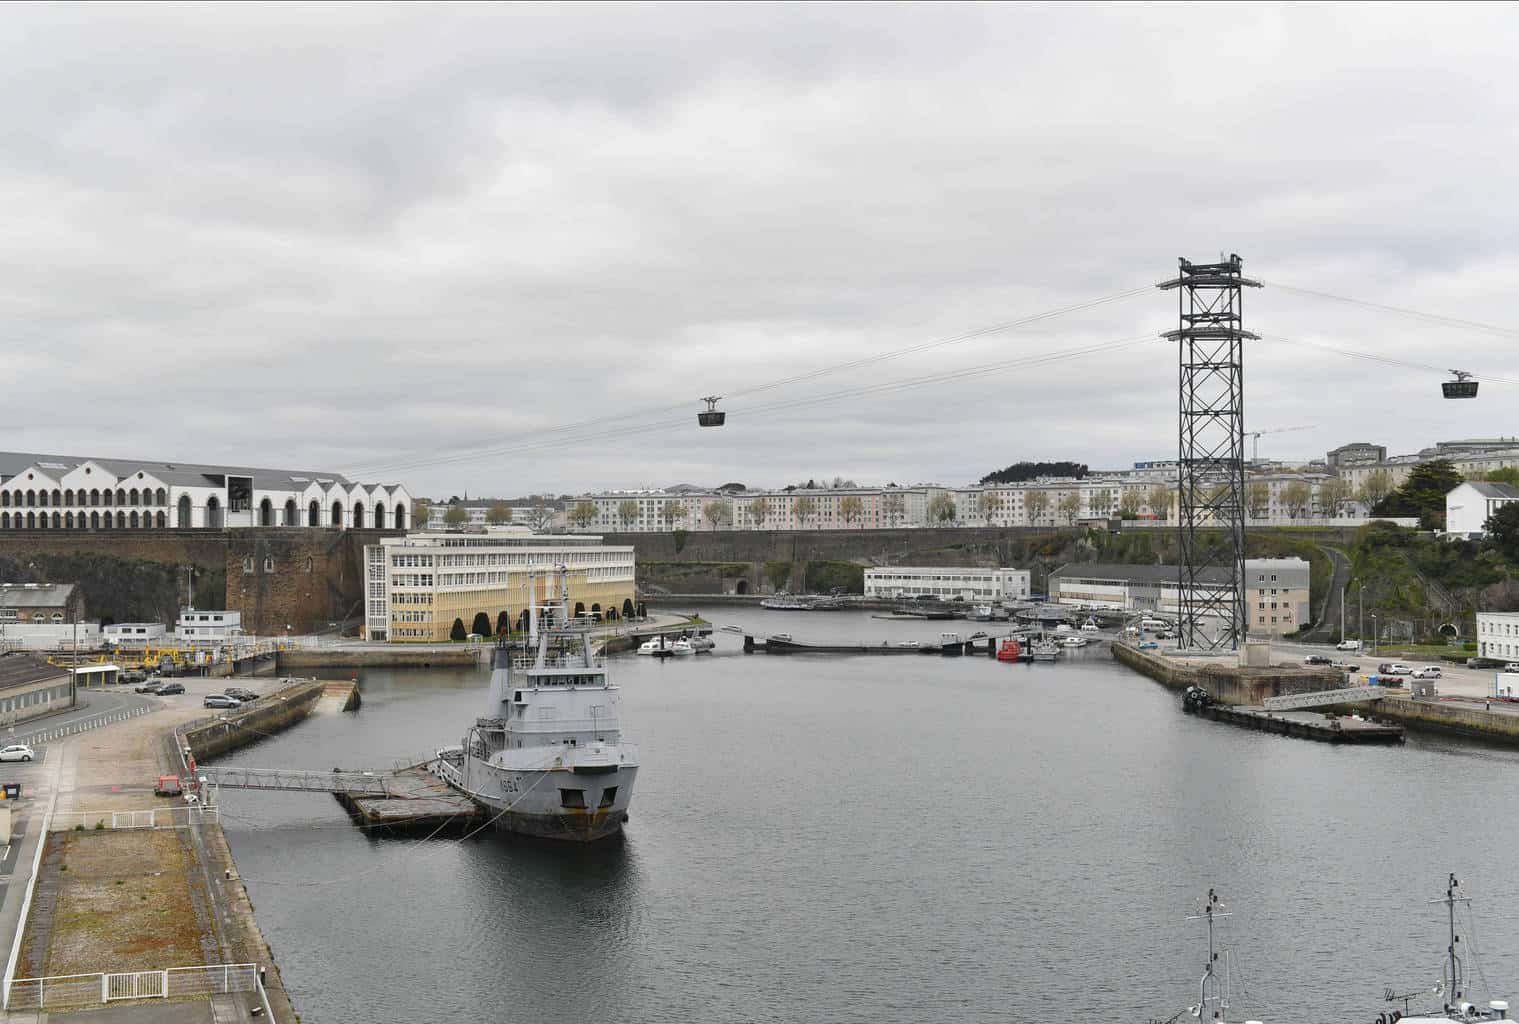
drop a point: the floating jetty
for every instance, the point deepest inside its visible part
(1309, 725)
(979, 645)
(413, 800)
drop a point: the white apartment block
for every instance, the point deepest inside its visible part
(974, 585)
(1498, 635)
(62, 492)
(198, 626)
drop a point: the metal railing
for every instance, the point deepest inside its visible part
(169, 816)
(77, 991)
(365, 783)
(58, 732)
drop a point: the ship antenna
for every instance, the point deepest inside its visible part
(1209, 985)
(1456, 983)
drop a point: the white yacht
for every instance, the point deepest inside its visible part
(548, 758)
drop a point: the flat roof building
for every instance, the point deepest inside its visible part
(977, 585)
(1276, 590)
(417, 585)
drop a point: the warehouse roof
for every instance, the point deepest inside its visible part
(17, 668)
(35, 595)
(183, 473)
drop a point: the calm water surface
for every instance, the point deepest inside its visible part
(899, 839)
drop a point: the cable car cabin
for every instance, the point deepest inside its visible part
(1462, 387)
(712, 417)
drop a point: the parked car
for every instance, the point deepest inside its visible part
(170, 689)
(1512, 666)
(152, 686)
(132, 675)
(241, 694)
(1385, 668)
(1165, 634)
(17, 752)
(168, 785)
(1346, 666)
(1348, 645)
(1149, 645)
(1427, 672)
(1397, 668)
(221, 700)
(1317, 659)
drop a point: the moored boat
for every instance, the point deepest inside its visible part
(1010, 650)
(548, 758)
(1451, 988)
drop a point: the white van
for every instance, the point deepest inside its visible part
(1154, 624)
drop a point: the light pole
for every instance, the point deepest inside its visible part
(1342, 608)
(1360, 610)
(1373, 632)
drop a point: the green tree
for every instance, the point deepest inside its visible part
(482, 624)
(851, 508)
(498, 514)
(805, 508)
(458, 632)
(583, 514)
(1037, 506)
(421, 512)
(1506, 475)
(1423, 494)
(1376, 487)
(941, 509)
(455, 516)
(627, 512)
(1503, 530)
(1070, 508)
(893, 507)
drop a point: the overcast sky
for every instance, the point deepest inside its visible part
(366, 239)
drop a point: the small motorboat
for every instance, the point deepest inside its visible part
(731, 628)
(681, 647)
(1073, 641)
(700, 643)
(649, 646)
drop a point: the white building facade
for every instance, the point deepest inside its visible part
(58, 492)
(1468, 507)
(1498, 635)
(197, 626)
(974, 585)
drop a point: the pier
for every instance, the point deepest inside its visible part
(409, 801)
(1309, 725)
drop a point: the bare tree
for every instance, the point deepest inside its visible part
(851, 508)
(987, 505)
(498, 514)
(671, 512)
(1128, 505)
(805, 508)
(715, 512)
(1070, 508)
(541, 517)
(1376, 486)
(1297, 498)
(1258, 499)
(893, 507)
(1159, 500)
(627, 512)
(941, 509)
(759, 510)
(583, 514)
(1334, 495)
(1037, 506)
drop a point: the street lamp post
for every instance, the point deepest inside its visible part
(1342, 608)
(1360, 610)
(1373, 632)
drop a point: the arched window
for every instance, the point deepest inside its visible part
(5, 499)
(5, 520)
(358, 515)
(248, 564)
(379, 515)
(268, 564)
(133, 496)
(31, 520)
(310, 564)
(183, 520)
(266, 513)
(57, 497)
(134, 520)
(31, 499)
(400, 516)
(121, 496)
(68, 520)
(163, 497)
(314, 515)
(42, 498)
(94, 520)
(290, 512)
(57, 618)
(94, 496)
(163, 520)
(213, 513)
(337, 514)
(107, 497)
(68, 498)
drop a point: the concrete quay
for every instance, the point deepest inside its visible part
(104, 877)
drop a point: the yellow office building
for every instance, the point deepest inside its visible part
(417, 585)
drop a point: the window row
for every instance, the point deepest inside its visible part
(65, 499)
(92, 521)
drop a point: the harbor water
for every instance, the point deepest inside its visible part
(890, 840)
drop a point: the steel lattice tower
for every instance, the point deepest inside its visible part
(1210, 339)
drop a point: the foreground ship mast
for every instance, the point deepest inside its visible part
(548, 759)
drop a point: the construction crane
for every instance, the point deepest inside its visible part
(1255, 436)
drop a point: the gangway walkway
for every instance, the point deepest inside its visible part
(293, 780)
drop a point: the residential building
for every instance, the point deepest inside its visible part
(200, 626)
(973, 585)
(1276, 590)
(417, 585)
(67, 492)
(1468, 507)
(1498, 635)
(31, 688)
(1355, 453)
(41, 602)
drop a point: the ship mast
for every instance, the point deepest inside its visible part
(1454, 980)
(1209, 986)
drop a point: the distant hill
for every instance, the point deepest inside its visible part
(1021, 471)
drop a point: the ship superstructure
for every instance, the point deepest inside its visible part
(548, 758)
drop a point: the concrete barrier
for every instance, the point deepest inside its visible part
(239, 728)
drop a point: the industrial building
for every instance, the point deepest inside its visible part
(53, 603)
(1276, 590)
(974, 585)
(66, 492)
(30, 687)
(417, 585)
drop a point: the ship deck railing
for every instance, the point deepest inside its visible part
(522, 662)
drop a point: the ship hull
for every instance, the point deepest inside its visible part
(533, 802)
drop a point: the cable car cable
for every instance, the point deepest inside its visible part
(1450, 321)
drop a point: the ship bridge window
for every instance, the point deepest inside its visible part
(572, 798)
(608, 795)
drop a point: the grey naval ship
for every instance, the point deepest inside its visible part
(548, 759)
